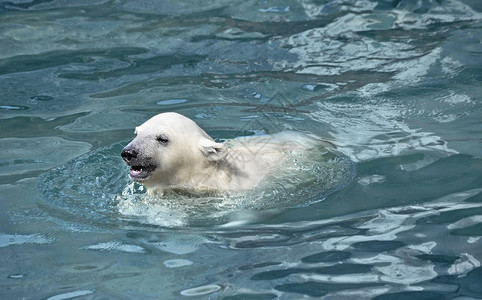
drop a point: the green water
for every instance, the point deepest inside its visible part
(395, 211)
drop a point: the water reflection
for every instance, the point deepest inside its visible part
(364, 254)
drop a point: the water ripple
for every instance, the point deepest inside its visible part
(387, 246)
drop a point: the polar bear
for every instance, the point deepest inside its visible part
(172, 151)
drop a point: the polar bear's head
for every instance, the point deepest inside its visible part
(169, 149)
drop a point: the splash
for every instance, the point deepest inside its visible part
(95, 190)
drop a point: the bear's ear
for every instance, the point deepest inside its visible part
(211, 150)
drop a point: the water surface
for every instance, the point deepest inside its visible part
(394, 85)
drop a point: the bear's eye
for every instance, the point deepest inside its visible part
(162, 139)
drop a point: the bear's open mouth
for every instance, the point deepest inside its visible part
(140, 173)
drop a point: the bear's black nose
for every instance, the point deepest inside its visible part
(128, 154)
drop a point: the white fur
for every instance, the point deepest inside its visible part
(191, 159)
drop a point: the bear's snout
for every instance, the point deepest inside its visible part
(128, 154)
(141, 167)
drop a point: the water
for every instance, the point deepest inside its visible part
(394, 212)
